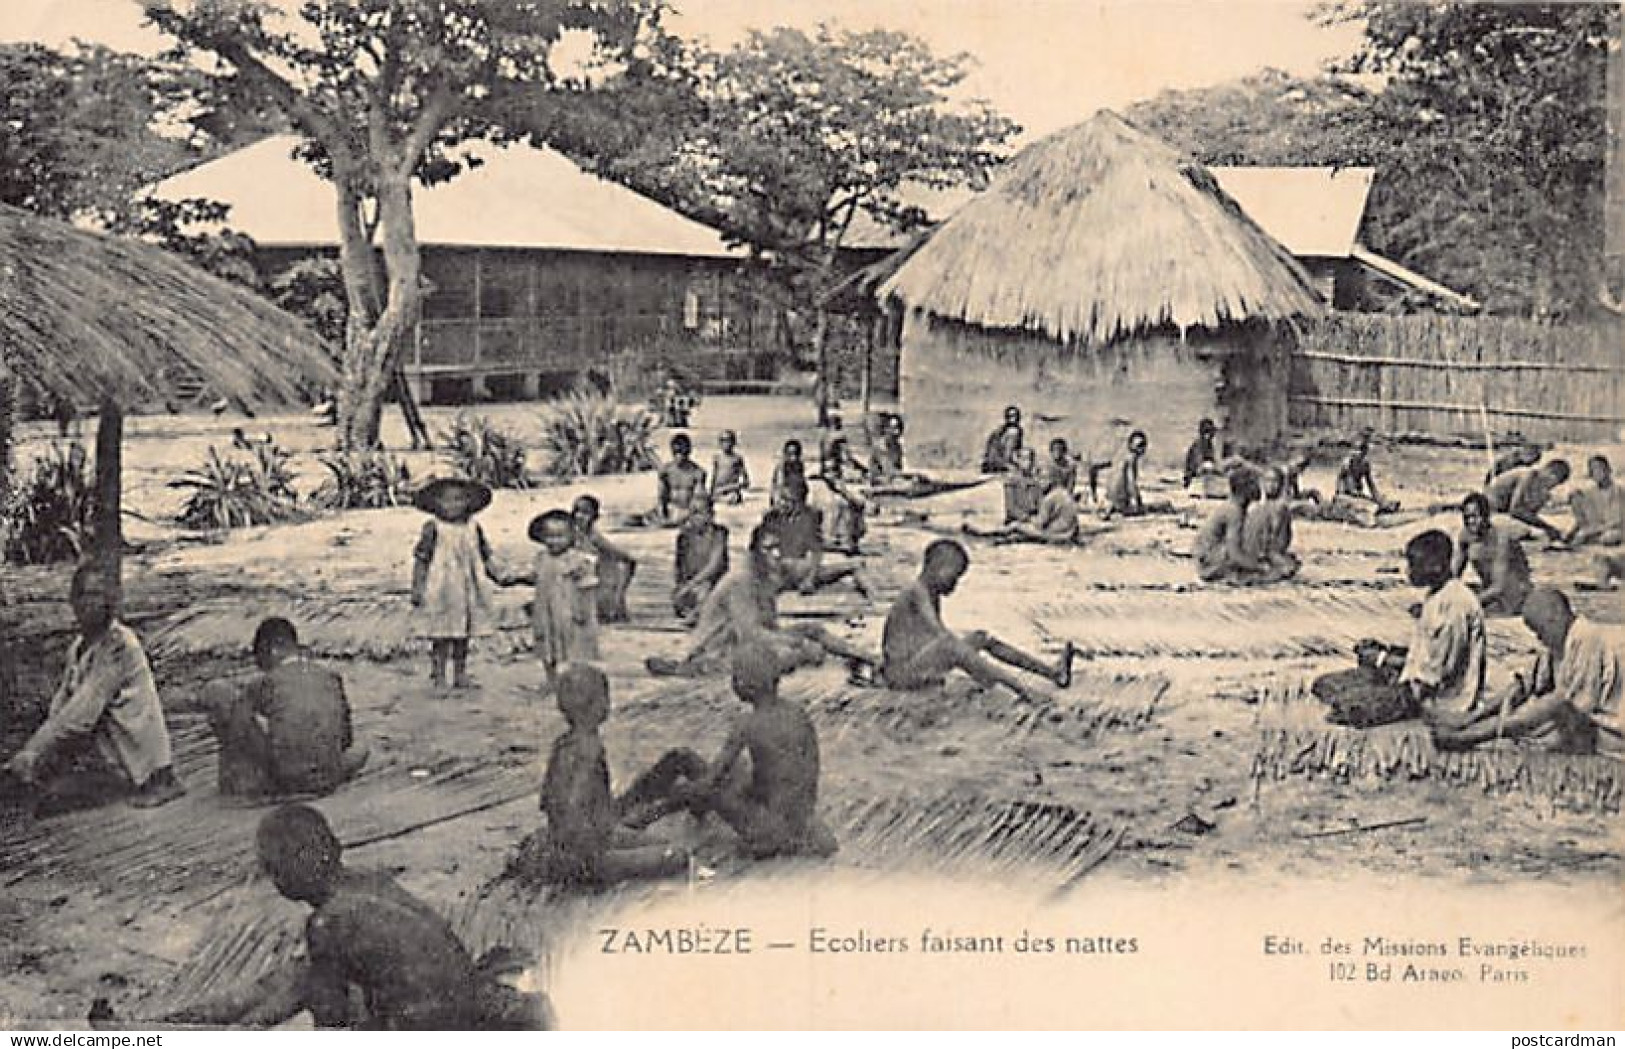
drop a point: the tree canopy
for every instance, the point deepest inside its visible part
(1487, 127)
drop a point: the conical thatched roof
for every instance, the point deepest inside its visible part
(1098, 232)
(84, 315)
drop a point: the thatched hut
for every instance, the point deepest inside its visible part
(91, 318)
(1102, 278)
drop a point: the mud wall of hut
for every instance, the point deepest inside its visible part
(956, 380)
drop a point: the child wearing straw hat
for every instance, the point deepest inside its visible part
(451, 573)
(564, 612)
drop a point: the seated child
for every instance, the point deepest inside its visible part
(800, 532)
(730, 478)
(588, 840)
(1441, 677)
(1599, 508)
(790, 462)
(288, 730)
(1056, 523)
(1023, 488)
(701, 560)
(1523, 493)
(919, 651)
(1221, 550)
(1357, 483)
(1267, 532)
(1202, 457)
(616, 567)
(1573, 693)
(999, 451)
(775, 811)
(1504, 577)
(368, 943)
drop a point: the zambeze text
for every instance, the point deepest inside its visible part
(695, 939)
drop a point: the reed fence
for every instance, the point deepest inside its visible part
(1460, 377)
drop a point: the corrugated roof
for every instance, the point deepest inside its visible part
(1312, 211)
(521, 197)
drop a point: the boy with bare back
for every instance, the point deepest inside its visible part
(919, 651)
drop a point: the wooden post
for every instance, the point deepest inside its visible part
(8, 417)
(107, 537)
(869, 365)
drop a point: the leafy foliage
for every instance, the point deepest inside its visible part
(587, 435)
(232, 492)
(1487, 133)
(483, 451)
(786, 140)
(50, 515)
(363, 481)
(313, 289)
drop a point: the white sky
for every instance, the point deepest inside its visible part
(1044, 63)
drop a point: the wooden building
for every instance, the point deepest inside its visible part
(1101, 282)
(537, 270)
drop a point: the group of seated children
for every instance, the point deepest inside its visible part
(595, 838)
(1571, 696)
(1249, 538)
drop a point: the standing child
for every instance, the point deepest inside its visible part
(790, 462)
(451, 566)
(564, 613)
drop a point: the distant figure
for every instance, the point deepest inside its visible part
(106, 702)
(838, 501)
(1123, 497)
(1572, 695)
(1221, 549)
(920, 652)
(1599, 508)
(1523, 493)
(616, 567)
(1062, 465)
(1056, 523)
(701, 559)
(451, 567)
(288, 730)
(376, 957)
(1496, 557)
(676, 404)
(800, 531)
(999, 452)
(1518, 456)
(677, 483)
(1356, 481)
(730, 478)
(835, 452)
(887, 463)
(790, 462)
(1023, 487)
(1267, 532)
(1202, 457)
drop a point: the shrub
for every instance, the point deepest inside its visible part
(484, 452)
(49, 516)
(228, 492)
(363, 481)
(589, 435)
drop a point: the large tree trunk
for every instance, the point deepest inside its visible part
(1613, 289)
(370, 344)
(107, 535)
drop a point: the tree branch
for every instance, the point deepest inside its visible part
(436, 111)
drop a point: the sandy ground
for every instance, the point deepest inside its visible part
(1210, 657)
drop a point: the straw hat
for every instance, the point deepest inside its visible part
(536, 523)
(429, 496)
